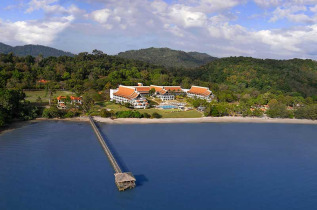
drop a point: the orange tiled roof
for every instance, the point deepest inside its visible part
(199, 91)
(61, 97)
(72, 98)
(126, 92)
(164, 89)
(157, 88)
(42, 81)
(173, 88)
(142, 89)
(75, 98)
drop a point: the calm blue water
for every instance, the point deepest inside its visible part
(60, 165)
(168, 107)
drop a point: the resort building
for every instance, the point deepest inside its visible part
(166, 93)
(143, 90)
(131, 95)
(61, 101)
(200, 92)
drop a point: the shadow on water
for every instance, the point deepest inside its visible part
(140, 179)
(115, 154)
(16, 125)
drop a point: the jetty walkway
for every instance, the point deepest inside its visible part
(123, 180)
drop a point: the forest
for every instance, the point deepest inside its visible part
(246, 81)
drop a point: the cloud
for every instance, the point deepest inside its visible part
(185, 17)
(52, 8)
(211, 6)
(101, 16)
(34, 31)
(287, 3)
(211, 26)
(313, 9)
(268, 3)
(295, 14)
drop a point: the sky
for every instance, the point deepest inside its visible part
(278, 29)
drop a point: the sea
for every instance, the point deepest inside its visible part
(61, 165)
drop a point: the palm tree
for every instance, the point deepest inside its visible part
(49, 90)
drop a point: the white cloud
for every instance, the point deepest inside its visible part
(203, 25)
(313, 9)
(101, 16)
(183, 16)
(295, 14)
(45, 5)
(51, 7)
(33, 31)
(211, 6)
(268, 3)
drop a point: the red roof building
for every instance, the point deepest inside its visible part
(167, 92)
(131, 95)
(61, 101)
(200, 92)
(43, 81)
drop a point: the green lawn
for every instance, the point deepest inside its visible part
(33, 95)
(167, 113)
(115, 107)
(173, 113)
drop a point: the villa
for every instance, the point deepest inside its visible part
(200, 92)
(61, 101)
(166, 93)
(131, 95)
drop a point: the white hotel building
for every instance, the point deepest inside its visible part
(200, 92)
(128, 94)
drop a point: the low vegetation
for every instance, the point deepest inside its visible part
(54, 112)
(13, 106)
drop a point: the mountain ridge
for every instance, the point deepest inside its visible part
(33, 50)
(168, 57)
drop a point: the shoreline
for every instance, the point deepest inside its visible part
(204, 120)
(226, 119)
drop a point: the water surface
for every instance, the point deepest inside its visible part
(60, 165)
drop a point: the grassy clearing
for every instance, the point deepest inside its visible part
(167, 113)
(115, 107)
(32, 96)
(173, 113)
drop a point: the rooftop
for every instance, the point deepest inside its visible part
(124, 177)
(126, 92)
(204, 91)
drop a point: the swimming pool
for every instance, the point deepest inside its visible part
(168, 107)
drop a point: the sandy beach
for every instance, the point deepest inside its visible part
(167, 120)
(203, 120)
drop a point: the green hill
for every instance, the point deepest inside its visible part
(168, 57)
(33, 50)
(241, 73)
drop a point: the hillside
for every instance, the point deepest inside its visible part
(233, 76)
(33, 50)
(241, 73)
(168, 57)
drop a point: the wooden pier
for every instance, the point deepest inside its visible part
(123, 180)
